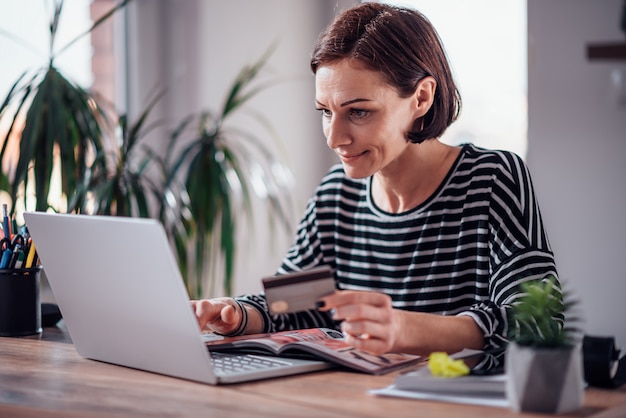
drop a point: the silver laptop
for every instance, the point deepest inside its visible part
(124, 302)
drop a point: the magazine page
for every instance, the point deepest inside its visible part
(275, 342)
(334, 348)
(325, 343)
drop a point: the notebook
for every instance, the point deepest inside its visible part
(123, 299)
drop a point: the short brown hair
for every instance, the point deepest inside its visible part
(403, 46)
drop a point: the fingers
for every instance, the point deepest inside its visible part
(350, 297)
(370, 344)
(370, 336)
(229, 315)
(205, 311)
(217, 315)
(353, 306)
(367, 319)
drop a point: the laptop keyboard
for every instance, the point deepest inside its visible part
(229, 363)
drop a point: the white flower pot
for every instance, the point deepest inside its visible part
(547, 380)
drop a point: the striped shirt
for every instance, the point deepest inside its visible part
(464, 251)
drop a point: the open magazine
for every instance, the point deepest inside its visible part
(320, 343)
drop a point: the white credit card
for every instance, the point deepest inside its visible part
(295, 292)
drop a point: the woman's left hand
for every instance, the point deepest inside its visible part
(369, 321)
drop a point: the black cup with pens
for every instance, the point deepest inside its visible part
(20, 307)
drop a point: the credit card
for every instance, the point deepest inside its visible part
(295, 292)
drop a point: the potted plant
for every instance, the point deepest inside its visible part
(118, 183)
(544, 360)
(211, 174)
(55, 124)
(218, 173)
(224, 172)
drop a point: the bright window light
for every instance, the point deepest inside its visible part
(486, 44)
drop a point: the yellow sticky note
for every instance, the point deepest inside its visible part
(442, 365)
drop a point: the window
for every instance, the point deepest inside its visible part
(486, 44)
(25, 40)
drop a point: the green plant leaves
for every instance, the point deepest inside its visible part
(540, 314)
(201, 186)
(61, 123)
(219, 167)
(240, 93)
(118, 183)
(55, 125)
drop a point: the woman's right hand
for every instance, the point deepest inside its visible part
(219, 315)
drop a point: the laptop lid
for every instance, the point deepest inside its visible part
(121, 294)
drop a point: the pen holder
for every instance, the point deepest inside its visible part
(20, 307)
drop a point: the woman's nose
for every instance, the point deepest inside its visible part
(336, 134)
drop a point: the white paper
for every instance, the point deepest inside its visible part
(486, 400)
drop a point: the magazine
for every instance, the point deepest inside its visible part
(320, 343)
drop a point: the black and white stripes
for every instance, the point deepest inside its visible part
(463, 251)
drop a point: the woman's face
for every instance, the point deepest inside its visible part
(364, 119)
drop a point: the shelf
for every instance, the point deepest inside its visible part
(607, 51)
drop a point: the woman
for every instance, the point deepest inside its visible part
(428, 242)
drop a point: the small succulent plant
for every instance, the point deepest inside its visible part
(544, 315)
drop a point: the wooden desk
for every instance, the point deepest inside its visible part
(44, 376)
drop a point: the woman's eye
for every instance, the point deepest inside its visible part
(325, 113)
(358, 113)
(355, 114)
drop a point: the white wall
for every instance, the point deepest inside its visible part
(577, 145)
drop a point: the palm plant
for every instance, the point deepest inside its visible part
(117, 182)
(200, 190)
(198, 193)
(56, 123)
(223, 169)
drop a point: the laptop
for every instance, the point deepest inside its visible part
(124, 301)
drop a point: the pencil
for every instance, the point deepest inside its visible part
(31, 256)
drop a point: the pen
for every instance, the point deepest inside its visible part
(20, 260)
(25, 234)
(17, 258)
(6, 258)
(5, 222)
(17, 240)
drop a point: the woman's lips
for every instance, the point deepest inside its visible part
(351, 157)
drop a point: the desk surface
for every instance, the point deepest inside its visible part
(44, 376)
